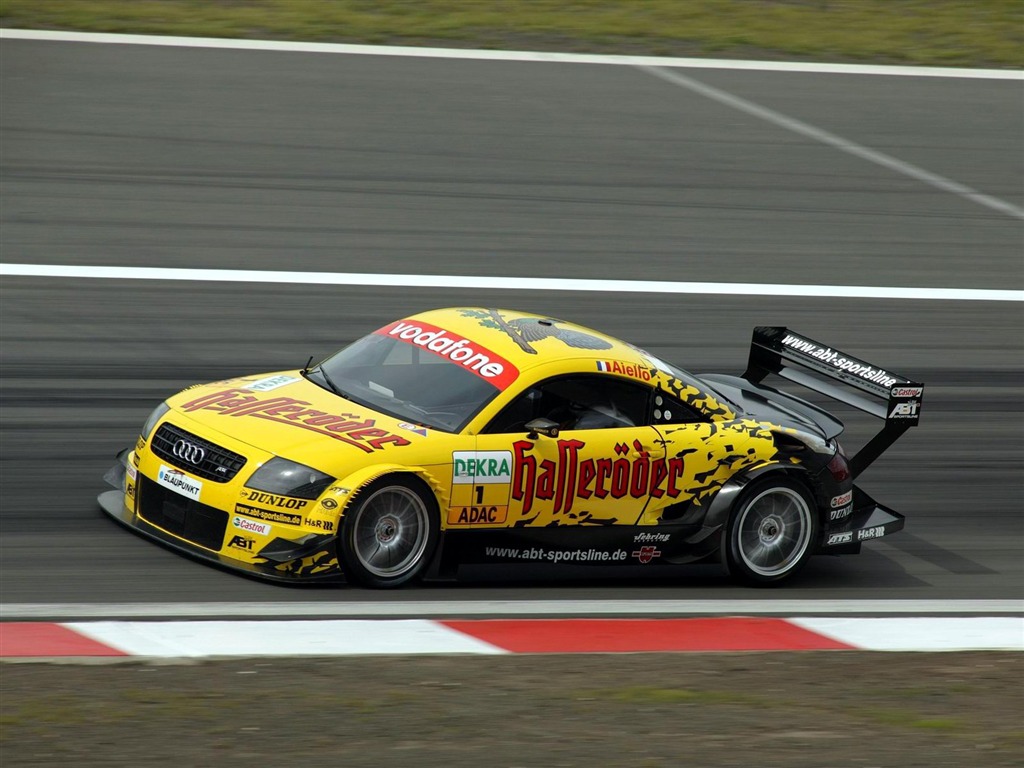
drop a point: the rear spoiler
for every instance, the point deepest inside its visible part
(780, 351)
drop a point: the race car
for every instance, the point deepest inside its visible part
(482, 437)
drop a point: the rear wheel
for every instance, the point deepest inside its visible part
(388, 538)
(771, 532)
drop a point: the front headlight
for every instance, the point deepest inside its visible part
(154, 417)
(289, 478)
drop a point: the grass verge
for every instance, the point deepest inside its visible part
(973, 33)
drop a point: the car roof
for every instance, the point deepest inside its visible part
(528, 340)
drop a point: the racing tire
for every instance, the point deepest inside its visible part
(388, 537)
(772, 532)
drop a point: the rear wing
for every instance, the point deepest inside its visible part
(787, 354)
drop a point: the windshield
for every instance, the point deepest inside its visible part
(406, 381)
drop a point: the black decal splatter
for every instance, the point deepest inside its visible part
(526, 330)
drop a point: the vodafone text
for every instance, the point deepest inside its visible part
(450, 346)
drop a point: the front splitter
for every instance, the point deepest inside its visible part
(112, 504)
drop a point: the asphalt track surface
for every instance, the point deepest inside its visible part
(132, 156)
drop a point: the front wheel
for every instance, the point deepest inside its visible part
(771, 532)
(390, 534)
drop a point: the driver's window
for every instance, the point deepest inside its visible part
(576, 402)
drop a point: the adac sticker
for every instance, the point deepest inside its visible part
(477, 515)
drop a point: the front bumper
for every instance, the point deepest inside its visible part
(287, 561)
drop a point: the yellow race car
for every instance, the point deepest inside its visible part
(482, 437)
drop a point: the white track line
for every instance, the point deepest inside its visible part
(454, 608)
(838, 142)
(651, 64)
(485, 55)
(473, 282)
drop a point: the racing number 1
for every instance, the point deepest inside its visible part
(483, 511)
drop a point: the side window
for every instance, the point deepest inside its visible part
(671, 410)
(576, 402)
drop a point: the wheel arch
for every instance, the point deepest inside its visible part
(368, 480)
(354, 484)
(726, 498)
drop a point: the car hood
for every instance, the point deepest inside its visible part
(284, 414)
(769, 404)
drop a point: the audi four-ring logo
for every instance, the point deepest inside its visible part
(189, 452)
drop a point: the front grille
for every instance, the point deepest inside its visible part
(180, 515)
(211, 463)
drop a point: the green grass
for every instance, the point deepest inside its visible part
(986, 33)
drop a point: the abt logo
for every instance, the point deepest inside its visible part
(907, 410)
(242, 542)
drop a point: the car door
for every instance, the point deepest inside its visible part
(600, 469)
(701, 455)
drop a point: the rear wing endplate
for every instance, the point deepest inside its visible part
(791, 355)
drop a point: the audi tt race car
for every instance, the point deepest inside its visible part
(473, 437)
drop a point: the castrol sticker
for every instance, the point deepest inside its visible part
(906, 391)
(842, 500)
(250, 525)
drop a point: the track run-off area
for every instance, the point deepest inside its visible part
(176, 210)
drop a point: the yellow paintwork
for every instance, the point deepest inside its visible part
(625, 475)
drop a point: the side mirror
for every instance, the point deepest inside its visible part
(545, 427)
